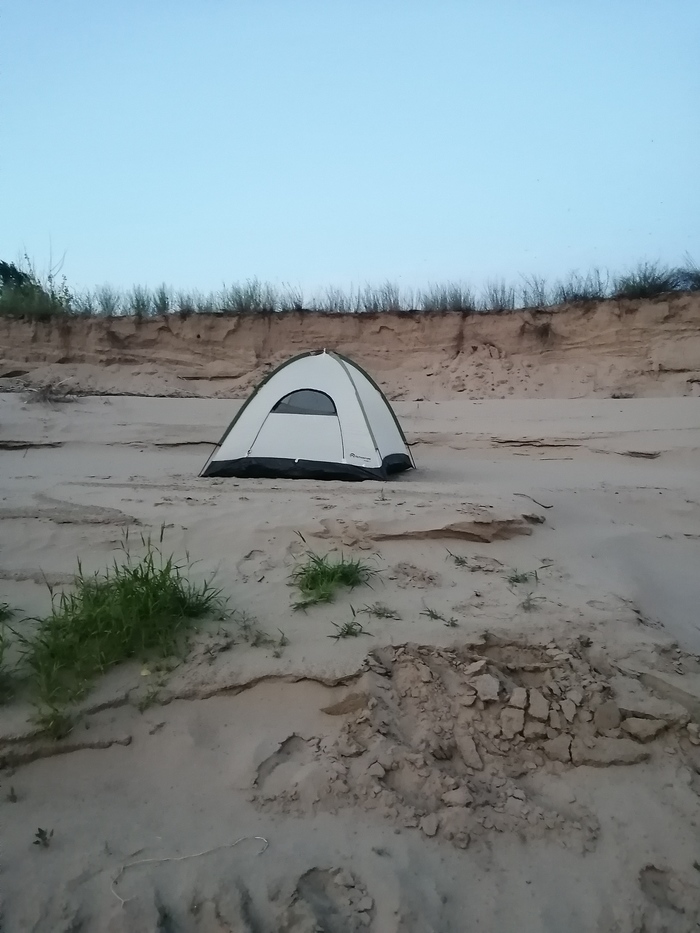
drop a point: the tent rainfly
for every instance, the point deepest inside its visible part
(317, 416)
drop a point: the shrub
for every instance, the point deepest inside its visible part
(22, 294)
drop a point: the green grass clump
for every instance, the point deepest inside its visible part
(136, 608)
(646, 281)
(320, 577)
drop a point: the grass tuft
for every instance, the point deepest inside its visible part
(436, 616)
(459, 559)
(590, 287)
(380, 611)
(138, 607)
(646, 281)
(689, 276)
(444, 299)
(349, 630)
(320, 577)
(498, 296)
(531, 602)
(516, 576)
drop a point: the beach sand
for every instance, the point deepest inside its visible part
(502, 756)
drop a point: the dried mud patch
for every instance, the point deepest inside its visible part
(452, 741)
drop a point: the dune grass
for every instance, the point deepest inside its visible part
(24, 293)
(137, 608)
(647, 280)
(319, 578)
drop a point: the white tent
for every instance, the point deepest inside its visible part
(319, 416)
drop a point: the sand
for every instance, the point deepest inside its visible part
(501, 756)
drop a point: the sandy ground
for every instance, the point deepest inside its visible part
(527, 762)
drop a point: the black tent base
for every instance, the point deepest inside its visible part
(280, 468)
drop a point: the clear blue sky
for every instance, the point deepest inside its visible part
(319, 142)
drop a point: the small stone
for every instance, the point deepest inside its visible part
(458, 798)
(575, 696)
(366, 903)
(643, 729)
(607, 716)
(555, 720)
(429, 824)
(345, 878)
(468, 699)
(475, 668)
(426, 675)
(538, 707)
(512, 722)
(568, 708)
(376, 770)
(693, 729)
(487, 687)
(468, 750)
(534, 729)
(518, 698)
(586, 715)
(558, 749)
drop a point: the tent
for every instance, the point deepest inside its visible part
(317, 416)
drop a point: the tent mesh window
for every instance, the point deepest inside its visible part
(305, 402)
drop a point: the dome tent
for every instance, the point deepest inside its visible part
(317, 416)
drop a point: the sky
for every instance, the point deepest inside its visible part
(345, 142)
